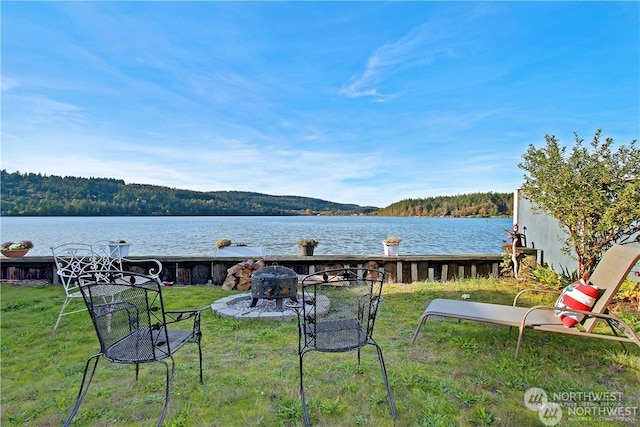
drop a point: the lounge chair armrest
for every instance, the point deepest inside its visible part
(545, 291)
(619, 323)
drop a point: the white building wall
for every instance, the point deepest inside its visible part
(544, 233)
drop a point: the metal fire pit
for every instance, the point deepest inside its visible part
(274, 282)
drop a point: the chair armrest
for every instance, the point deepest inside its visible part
(545, 291)
(153, 271)
(175, 316)
(619, 323)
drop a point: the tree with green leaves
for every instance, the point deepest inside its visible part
(594, 193)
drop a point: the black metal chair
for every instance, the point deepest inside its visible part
(337, 314)
(133, 327)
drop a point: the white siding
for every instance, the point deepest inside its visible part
(545, 234)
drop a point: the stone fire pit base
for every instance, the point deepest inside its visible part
(237, 306)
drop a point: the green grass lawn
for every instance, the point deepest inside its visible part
(456, 374)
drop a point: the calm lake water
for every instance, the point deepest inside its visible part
(351, 235)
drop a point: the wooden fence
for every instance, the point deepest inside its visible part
(193, 270)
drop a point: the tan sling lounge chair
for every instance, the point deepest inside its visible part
(609, 274)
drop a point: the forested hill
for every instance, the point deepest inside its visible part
(30, 194)
(41, 195)
(465, 205)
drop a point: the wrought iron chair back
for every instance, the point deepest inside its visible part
(110, 258)
(72, 260)
(133, 326)
(105, 259)
(337, 313)
(75, 259)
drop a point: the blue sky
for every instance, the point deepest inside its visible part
(352, 102)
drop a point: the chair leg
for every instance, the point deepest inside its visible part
(302, 396)
(415, 334)
(64, 305)
(520, 336)
(615, 332)
(200, 355)
(392, 404)
(169, 383)
(83, 388)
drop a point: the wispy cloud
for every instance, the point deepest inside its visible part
(420, 47)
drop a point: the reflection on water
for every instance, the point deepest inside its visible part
(351, 235)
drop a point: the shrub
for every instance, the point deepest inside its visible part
(223, 243)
